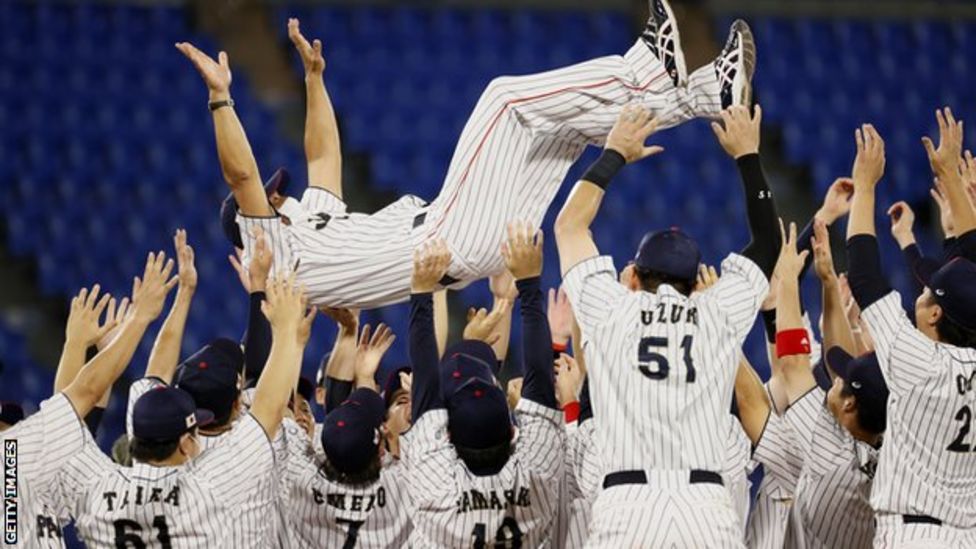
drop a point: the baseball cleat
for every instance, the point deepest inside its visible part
(661, 36)
(736, 64)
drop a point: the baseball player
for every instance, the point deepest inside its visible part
(520, 140)
(661, 359)
(473, 482)
(174, 495)
(924, 491)
(40, 445)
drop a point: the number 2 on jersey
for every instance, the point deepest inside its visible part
(965, 415)
(654, 364)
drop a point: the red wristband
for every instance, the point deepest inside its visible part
(571, 411)
(559, 347)
(792, 342)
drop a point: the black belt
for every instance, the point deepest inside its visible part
(418, 220)
(920, 519)
(696, 476)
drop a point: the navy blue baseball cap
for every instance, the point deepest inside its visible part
(954, 288)
(165, 413)
(478, 416)
(670, 252)
(393, 384)
(457, 368)
(212, 377)
(351, 433)
(864, 378)
(822, 376)
(11, 413)
(228, 209)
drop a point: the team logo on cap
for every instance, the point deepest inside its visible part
(939, 292)
(191, 420)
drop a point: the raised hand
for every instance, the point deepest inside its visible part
(790, 262)
(569, 379)
(430, 263)
(83, 327)
(560, 316)
(149, 292)
(481, 324)
(940, 195)
(523, 251)
(968, 168)
(285, 307)
(869, 164)
(370, 352)
(346, 319)
(823, 259)
(837, 202)
(707, 277)
(187, 271)
(216, 74)
(114, 316)
(260, 265)
(740, 134)
(945, 158)
(311, 54)
(902, 222)
(634, 125)
(502, 286)
(236, 261)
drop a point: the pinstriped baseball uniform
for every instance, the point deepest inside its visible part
(927, 464)
(454, 508)
(209, 502)
(735, 468)
(832, 492)
(42, 443)
(513, 154)
(770, 523)
(323, 513)
(661, 369)
(585, 474)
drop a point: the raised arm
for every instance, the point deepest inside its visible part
(836, 329)
(740, 139)
(369, 353)
(148, 296)
(430, 262)
(442, 320)
(752, 401)
(291, 325)
(624, 144)
(945, 161)
(322, 147)
(792, 339)
(236, 159)
(504, 293)
(523, 257)
(340, 370)
(82, 331)
(867, 283)
(165, 353)
(257, 338)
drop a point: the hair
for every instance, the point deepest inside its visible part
(147, 451)
(367, 475)
(952, 333)
(485, 461)
(121, 452)
(872, 419)
(650, 280)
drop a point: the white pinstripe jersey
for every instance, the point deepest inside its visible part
(770, 523)
(928, 460)
(324, 513)
(213, 501)
(734, 468)
(455, 508)
(835, 482)
(661, 366)
(583, 474)
(38, 448)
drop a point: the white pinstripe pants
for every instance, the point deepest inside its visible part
(526, 132)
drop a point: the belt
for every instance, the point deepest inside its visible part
(696, 476)
(419, 220)
(920, 519)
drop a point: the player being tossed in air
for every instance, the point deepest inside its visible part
(520, 140)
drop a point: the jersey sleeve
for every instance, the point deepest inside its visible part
(238, 468)
(585, 461)
(428, 455)
(739, 293)
(138, 388)
(593, 291)
(904, 354)
(76, 474)
(293, 450)
(44, 441)
(778, 451)
(542, 439)
(318, 200)
(802, 416)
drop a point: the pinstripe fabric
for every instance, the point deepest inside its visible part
(512, 156)
(219, 499)
(643, 350)
(138, 388)
(931, 389)
(892, 533)
(585, 475)
(734, 469)
(770, 523)
(835, 482)
(454, 508)
(45, 442)
(323, 513)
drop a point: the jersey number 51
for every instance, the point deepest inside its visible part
(654, 365)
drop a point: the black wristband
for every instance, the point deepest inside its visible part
(769, 324)
(602, 171)
(214, 105)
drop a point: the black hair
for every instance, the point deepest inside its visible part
(147, 451)
(952, 333)
(650, 280)
(485, 461)
(367, 475)
(872, 419)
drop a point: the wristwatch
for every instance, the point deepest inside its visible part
(214, 105)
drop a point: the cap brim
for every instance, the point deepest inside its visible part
(821, 375)
(839, 361)
(204, 417)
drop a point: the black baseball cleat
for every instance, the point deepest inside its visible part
(661, 36)
(736, 64)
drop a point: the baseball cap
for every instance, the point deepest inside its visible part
(211, 377)
(393, 384)
(228, 209)
(821, 375)
(165, 413)
(863, 376)
(954, 288)
(478, 415)
(11, 413)
(350, 433)
(458, 367)
(670, 252)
